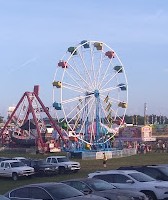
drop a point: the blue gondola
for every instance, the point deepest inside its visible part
(57, 106)
(86, 45)
(122, 86)
(72, 50)
(119, 69)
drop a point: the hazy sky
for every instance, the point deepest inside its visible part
(35, 34)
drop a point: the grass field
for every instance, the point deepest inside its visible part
(87, 166)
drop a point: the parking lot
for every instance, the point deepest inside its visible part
(87, 166)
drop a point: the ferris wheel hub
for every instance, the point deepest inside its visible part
(96, 93)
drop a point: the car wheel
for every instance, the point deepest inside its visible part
(29, 177)
(150, 195)
(62, 170)
(15, 176)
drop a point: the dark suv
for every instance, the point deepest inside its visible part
(4, 158)
(159, 172)
(41, 167)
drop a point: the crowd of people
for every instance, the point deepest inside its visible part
(159, 146)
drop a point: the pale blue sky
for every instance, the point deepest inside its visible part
(35, 34)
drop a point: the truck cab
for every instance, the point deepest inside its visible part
(64, 164)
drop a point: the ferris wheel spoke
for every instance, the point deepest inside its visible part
(92, 67)
(77, 116)
(69, 114)
(80, 76)
(55, 74)
(86, 69)
(105, 74)
(111, 99)
(70, 100)
(75, 109)
(99, 69)
(73, 88)
(74, 79)
(109, 80)
(81, 110)
(105, 112)
(109, 89)
(85, 118)
(93, 117)
(75, 99)
(75, 68)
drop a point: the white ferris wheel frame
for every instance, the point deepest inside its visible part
(78, 88)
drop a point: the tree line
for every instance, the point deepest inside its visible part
(148, 119)
(136, 119)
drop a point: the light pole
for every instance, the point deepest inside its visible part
(145, 109)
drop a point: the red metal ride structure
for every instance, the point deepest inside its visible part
(30, 105)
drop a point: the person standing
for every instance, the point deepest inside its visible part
(104, 160)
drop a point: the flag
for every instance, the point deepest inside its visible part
(108, 107)
(106, 99)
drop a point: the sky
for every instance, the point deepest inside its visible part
(35, 34)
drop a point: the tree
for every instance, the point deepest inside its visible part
(1, 119)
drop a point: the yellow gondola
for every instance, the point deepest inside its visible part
(98, 45)
(122, 105)
(57, 84)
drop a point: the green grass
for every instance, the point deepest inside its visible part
(87, 166)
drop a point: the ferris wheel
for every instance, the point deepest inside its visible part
(90, 92)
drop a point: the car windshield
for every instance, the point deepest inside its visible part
(63, 191)
(63, 159)
(42, 162)
(99, 185)
(141, 177)
(164, 170)
(17, 164)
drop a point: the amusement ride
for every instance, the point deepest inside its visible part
(90, 98)
(90, 94)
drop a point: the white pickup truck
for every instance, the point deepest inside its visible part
(14, 169)
(64, 164)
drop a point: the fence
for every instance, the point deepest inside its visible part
(91, 155)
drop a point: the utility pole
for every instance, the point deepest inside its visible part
(145, 109)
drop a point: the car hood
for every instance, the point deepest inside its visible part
(45, 165)
(158, 183)
(112, 195)
(125, 192)
(24, 168)
(87, 197)
(70, 163)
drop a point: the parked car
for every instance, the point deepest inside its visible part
(26, 161)
(2, 197)
(15, 169)
(41, 167)
(19, 158)
(132, 179)
(48, 191)
(64, 164)
(104, 189)
(159, 172)
(4, 158)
